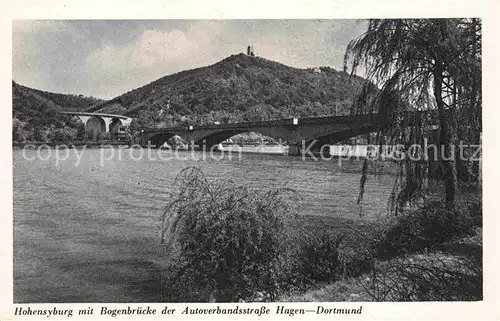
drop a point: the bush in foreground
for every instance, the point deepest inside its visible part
(319, 258)
(426, 277)
(424, 228)
(230, 242)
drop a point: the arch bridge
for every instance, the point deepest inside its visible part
(99, 122)
(299, 132)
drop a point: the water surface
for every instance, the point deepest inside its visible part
(90, 233)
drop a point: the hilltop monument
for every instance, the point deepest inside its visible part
(250, 51)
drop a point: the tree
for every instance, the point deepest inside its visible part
(106, 136)
(17, 130)
(39, 134)
(431, 65)
(60, 135)
(80, 132)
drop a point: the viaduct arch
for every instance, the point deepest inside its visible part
(99, 122)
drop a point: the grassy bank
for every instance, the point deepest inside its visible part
(228, 243)
(450, 272)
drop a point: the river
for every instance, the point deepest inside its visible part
(87, 230)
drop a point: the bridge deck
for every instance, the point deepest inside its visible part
(77, 113)
(270, 123)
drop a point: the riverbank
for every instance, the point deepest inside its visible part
(460, 258)
(36, 145)
(428, 254)
(338, 265)
(334, 152)
(398, 257)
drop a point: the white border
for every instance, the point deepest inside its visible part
(100, 9)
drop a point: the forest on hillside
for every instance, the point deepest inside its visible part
(35, 115)
(236, 89)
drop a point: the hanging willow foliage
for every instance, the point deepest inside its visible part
(432, 66)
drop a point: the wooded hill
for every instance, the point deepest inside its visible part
(238, 88)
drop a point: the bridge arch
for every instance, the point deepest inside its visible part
(115, 124)
(341, 135)
(220, 136)
(317, 144)
(284, 133)
(159, 139)
(95, 125)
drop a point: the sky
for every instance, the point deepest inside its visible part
(106, 58)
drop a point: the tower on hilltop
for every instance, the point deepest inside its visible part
(250, 51)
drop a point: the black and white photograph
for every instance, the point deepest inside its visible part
(247, 160)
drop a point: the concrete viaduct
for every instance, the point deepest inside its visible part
(298, 132)
(100, 122)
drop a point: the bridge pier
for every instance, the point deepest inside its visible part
(294, 149)
(107, 122)
(192, 146)
(308, 150)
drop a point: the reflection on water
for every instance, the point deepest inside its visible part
(90, 233)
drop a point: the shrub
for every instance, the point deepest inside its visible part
(424, 228)
(356, 253)
(105, 136)
(429, 277)
(318, 258)
(230, 242)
